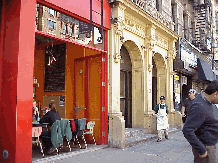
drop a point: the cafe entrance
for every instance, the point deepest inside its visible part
(75, 82)
(23, 59)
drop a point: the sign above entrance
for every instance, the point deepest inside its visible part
(64, 26)
(85, 29)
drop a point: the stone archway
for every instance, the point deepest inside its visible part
(137, 84)
(126, 86)
(161, 76)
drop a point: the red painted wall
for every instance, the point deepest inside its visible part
(82, 9)
(16, 63)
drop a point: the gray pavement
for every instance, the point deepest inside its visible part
(174, 150)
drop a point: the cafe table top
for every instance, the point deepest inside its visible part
(35, 124)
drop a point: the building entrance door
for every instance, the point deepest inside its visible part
(126, 87)
(88, 92)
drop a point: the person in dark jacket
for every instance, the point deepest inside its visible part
(201, 126)
(187, 104)
(50, 117)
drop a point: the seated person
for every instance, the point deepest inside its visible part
(50, 117)
(35, 111)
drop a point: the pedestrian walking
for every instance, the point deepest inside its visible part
(187, 104)
(161, 112)
(201, 126)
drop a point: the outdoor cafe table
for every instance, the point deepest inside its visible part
(37, 130)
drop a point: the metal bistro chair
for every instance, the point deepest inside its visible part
(74, 129)
(90, 126)
(80, 126)
(36, 132)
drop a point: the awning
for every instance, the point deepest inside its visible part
(204, 71)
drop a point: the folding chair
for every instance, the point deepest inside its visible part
(82, 125)
(74, 128)
(90, 126)
(36, 132)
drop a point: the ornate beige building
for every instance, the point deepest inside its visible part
(141, 53)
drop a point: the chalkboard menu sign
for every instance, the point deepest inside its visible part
(85, 28)
(55, 68)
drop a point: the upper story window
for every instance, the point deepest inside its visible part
(70, 31)
(64, 28)
(51, 24)
(52, 12)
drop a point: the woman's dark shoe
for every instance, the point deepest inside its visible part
(158, 140)
(166, 137)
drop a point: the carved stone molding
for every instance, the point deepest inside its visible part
(150, 40)
(150, 67)
(117, 57)
(134, 25)
(148, 10)
(119, 26)
(173, 53)
(161, 41)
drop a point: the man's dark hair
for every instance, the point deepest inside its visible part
(212, 87)
(52, 106)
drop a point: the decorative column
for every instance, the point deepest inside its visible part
(174, 117)
(171, 56)
(150, 42)
(116, 120)
(150, 124)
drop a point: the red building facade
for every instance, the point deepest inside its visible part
(20, 54)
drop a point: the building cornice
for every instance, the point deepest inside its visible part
(151, 15)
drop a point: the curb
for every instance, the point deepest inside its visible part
(67, 155)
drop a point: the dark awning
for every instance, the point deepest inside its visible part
(204, 71)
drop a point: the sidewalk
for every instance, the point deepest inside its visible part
(134, 136)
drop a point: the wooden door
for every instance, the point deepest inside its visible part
(88, 92)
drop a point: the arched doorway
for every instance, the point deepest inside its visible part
(126, 87)
(159, 78)
(154, 84)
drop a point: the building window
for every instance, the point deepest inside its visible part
(70, 32)
(64, 28)
(52, 12)
(51, 24)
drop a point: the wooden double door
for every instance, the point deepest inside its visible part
(89, 93)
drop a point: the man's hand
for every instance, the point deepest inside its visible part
(183, 115)
(183, 111)
(204, 155)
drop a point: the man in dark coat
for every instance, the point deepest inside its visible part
(50, 117)
(201, 126)
(187, 104)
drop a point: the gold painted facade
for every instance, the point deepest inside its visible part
(147, 35)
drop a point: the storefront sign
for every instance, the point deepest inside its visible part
(85, 29)
(188, 56)
(176, 77)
